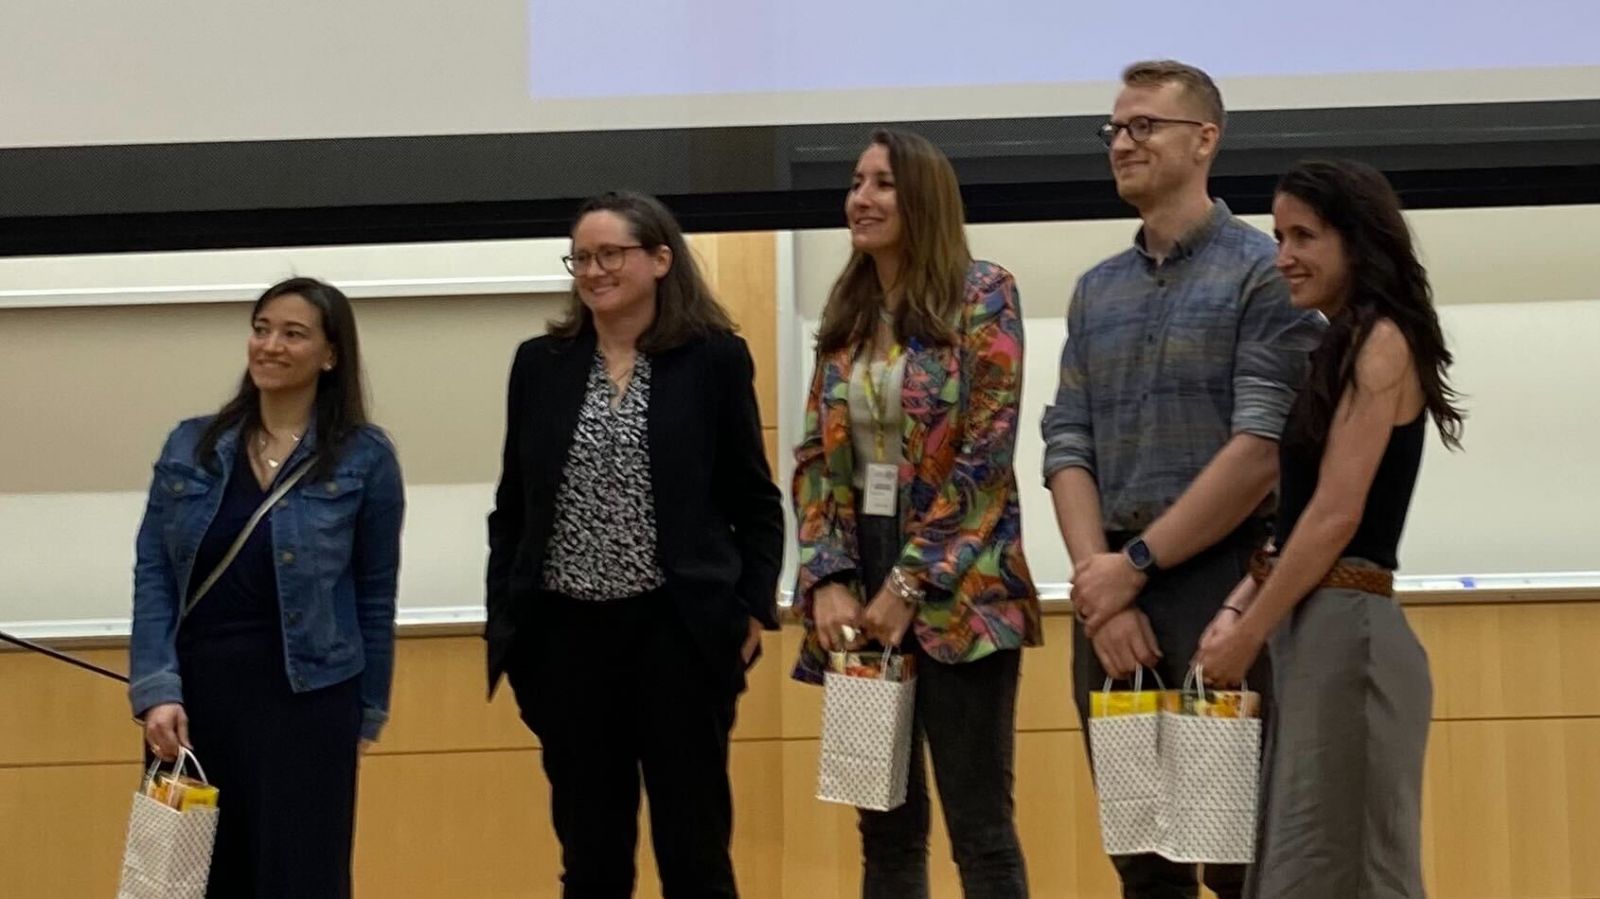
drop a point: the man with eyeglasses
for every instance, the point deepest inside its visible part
(1181, 361)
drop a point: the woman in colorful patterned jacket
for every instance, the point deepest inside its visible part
(909, 529)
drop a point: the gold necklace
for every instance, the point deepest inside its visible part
(261, 449)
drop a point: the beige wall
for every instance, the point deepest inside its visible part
(92, 391)
(96, 389)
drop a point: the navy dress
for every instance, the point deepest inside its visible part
(285, 763)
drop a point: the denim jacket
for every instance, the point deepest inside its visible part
(336, 543)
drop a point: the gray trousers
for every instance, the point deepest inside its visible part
(1342, 816)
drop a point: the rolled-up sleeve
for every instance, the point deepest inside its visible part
(1068, 432)
(1270, 358)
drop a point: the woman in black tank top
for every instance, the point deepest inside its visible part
(1345, 747)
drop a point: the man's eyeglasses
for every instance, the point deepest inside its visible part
(1140, 127)
(609, 258)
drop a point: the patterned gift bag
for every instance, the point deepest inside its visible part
(866, 738)
(1124, 736)
(1210, 773)
(168, 853)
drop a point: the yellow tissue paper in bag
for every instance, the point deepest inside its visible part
(1115, 703)
(182, 793)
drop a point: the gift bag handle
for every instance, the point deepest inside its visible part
(849, 634)
(185, 755)
(1138, 680)
(1197, 676)
(888, 654)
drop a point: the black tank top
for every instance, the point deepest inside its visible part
(1378, 538)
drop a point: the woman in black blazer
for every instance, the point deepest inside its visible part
(634, 551)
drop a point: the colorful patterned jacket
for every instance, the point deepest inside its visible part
(958, 491)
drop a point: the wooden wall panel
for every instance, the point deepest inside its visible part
(453, 801)
(1512, 808)
(1512, 660)
(742, 269)
(454, 823)
(439, 703)
(62, 829)
(52, 713)
(769, 440)
(821, 854)
(1044, 698)
(477, 824)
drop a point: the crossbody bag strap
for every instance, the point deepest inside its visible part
(277, 493)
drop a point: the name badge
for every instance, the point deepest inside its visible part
(883, 489)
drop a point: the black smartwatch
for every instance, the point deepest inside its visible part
(1140, 556)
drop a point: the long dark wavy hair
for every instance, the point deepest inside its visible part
(341, 407)
(686, 307)
(934, 256)
(1386, 281)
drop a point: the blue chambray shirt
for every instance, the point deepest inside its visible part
(1165, 362)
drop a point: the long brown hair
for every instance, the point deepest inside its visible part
(1386, 281)
(341, 403)
(685, 306)
(934, 257)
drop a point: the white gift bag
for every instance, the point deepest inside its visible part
(866, 739)
(1124, 739)
(1210, 778)
(168, 853)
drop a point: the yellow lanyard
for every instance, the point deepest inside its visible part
(877, 397)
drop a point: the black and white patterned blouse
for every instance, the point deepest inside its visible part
(603, 545)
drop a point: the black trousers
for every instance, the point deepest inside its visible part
(966, 716)
(615, 690)
(1180, 604)
(284, 764)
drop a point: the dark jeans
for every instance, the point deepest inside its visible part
(613, 690)
(1180, 603)
(284, 763)
(966, 715)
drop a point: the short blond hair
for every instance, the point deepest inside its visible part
(1197, 85)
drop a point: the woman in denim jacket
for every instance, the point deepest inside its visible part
(273, 662)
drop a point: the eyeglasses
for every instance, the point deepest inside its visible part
(610, 259)
(1140, 127)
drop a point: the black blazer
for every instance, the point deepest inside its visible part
(719, 516)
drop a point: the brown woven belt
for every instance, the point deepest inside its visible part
(1343, 576)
